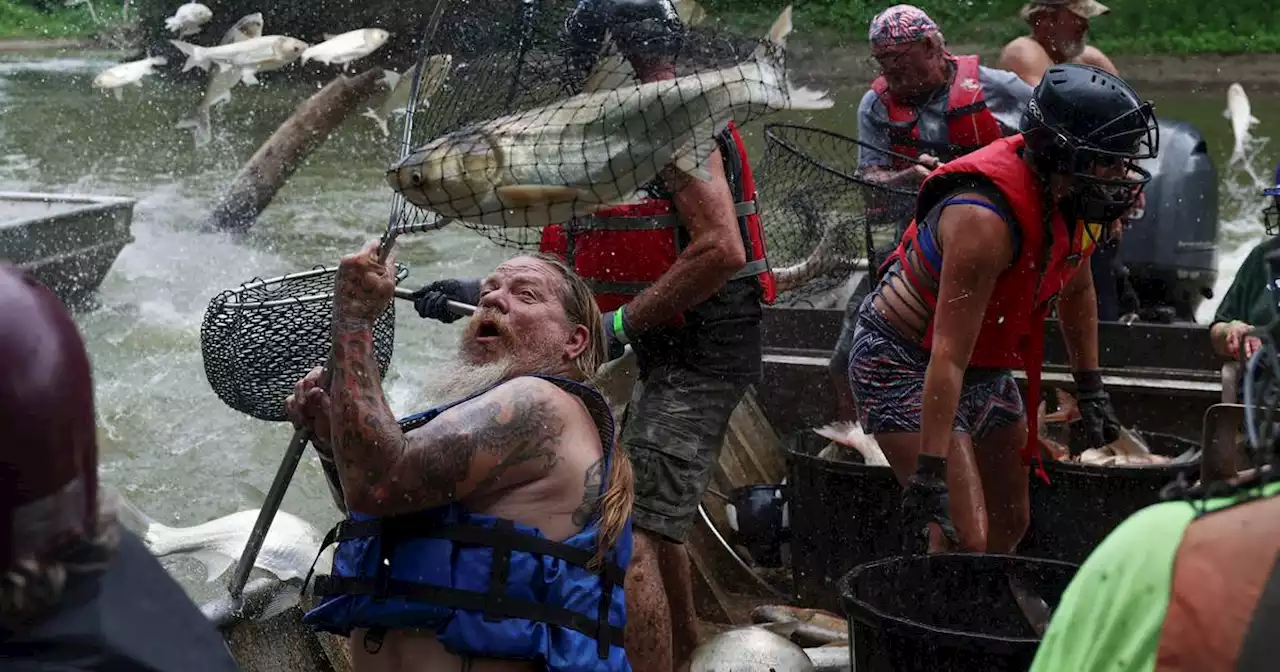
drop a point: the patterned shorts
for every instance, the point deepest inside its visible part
(887, 375)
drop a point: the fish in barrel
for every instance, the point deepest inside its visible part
(512, 171)
(1130, 450)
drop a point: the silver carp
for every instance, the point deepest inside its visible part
(1241, 117)
(252, 54)
(750, 649)
(288, 551)
(133, 72)
(347, 47)
(218, 90)
(512, 171)
(397, 102)
(189, 19)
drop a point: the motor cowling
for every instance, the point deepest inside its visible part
(1171, 248)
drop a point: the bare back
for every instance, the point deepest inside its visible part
(1029, 59)
(533, 454)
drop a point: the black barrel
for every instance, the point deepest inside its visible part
(842, 514)
(949, 612)
(1082, 503)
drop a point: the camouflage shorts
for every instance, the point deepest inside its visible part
(674, 428)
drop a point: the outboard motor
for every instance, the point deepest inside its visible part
(1171, 249)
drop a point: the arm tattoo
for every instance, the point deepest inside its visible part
(506, 437)
(590, 493)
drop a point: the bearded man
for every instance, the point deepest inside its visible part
(491, 532)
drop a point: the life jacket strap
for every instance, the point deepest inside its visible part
(647, 222)
(751, 269)
(468, 600)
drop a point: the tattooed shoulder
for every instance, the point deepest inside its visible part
(591, 483)
(516, 426)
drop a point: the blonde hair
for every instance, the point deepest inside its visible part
(580, 309)
(33, 587)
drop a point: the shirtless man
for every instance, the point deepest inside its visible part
(1058, 32)
(491, 531)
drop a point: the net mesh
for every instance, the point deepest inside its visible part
(259, 339)
(541, 118)
(821, 218)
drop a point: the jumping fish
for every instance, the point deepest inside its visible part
(189, 19)
(288, 551)
(512, 172)
(347, 47)
(1241, 118)
(397, 102)
(247, 55)
(133, 72)
(221, 81)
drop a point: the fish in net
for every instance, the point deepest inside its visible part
(521, 140)
(821, 217)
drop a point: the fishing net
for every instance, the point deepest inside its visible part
(556, 155)
(259, 339)
(813, 205)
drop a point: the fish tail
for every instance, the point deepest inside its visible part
(194, 54)
(127, 513)
(201, 127)
(172, 24)
(377, 119)
(770, 57)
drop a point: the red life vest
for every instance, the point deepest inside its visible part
(970, 125)
(621, 251)
(1012, 333)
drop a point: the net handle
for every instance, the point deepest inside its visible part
(770, 133)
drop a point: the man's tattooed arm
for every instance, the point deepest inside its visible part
(503, 438)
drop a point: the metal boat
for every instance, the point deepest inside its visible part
(67, 241)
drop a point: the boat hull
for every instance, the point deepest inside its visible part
(67, 242)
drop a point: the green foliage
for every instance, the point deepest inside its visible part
(32, 19)
(1132, 27)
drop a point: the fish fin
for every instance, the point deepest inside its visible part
(159, 60)
(172, 24)
(390, 78)
(778, 32)
(251, 493)
(689, 166)
(127, 513)
(119, 92)
(194, 54)
(377, 119)
(690, 12)
(1226, 113)
(201, 128)
(223, 67)
(328, 36)
(249, 77)
(1253, 120)
(520, 195)
(215, 563)
(286, 599)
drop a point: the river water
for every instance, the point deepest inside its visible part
(166, 440)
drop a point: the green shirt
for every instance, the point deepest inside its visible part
(1247, 299)
(1111, 615)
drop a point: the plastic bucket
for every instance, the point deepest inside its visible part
(842, 514)
(949, 612)
(1082, 503)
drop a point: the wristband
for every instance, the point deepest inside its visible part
(620, 326)
(1089, 380)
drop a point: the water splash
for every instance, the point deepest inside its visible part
(1240, 226)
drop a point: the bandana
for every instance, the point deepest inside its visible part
(901, 24)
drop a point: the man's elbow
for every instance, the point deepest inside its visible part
(728, 256)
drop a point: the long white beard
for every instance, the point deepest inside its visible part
(1072, 50)
(461, 379)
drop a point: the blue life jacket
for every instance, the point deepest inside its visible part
(488, 587)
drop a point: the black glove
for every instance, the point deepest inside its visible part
(1101, 425)
(433, 300)
(925, 501)
(617, 333)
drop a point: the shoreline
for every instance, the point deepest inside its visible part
(1200, 73)
(12, 45)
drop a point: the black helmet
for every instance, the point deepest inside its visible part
(1088, 124)
(639, 28)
